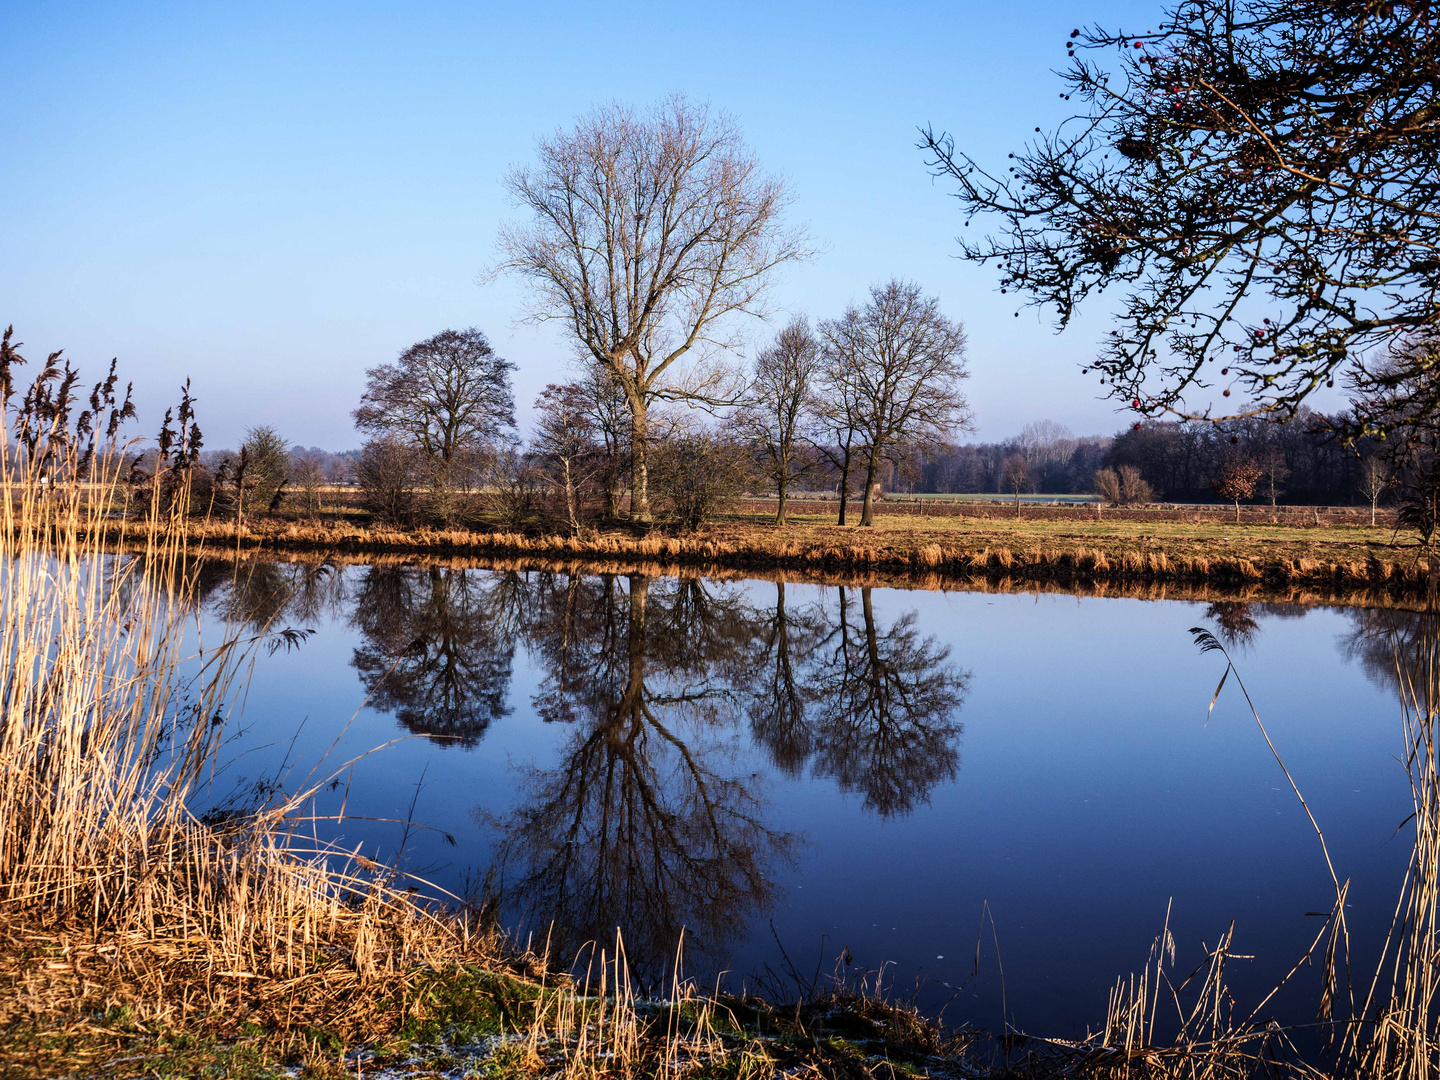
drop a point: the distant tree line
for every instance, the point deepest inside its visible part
(1300, 461)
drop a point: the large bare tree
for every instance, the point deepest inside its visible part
(902, 361)
(646, 234)
(446, 395)
(773, 412)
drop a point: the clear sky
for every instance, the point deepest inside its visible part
(270, 198)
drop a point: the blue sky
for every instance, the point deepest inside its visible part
(271, 198)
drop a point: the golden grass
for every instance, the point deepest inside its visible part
(1319, 561)
(108, 873)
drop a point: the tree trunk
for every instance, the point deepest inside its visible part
(1017, 504)
(570, 501)
(639, 467)
(612, 488)
(782, 489)
(1237, 511)
(440, 488)
(632, 701)
(867, 508)
(872, 639)
(844, 485)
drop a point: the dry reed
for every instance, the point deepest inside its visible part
(109, 722)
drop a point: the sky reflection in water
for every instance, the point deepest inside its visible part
(863, 769)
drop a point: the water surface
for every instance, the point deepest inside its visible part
(799, 776)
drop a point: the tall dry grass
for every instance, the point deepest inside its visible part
(112, 708)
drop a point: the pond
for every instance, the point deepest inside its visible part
(997, 798)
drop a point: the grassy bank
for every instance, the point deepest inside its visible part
(493, 1020)
(1331, 558)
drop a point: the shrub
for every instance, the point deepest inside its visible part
(386, 472)
(514, 490)
(1123, 487)
(697, 473)
(266, 459)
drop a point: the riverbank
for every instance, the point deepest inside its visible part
(1329, 560)
(74, 1005)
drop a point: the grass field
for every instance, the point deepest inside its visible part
(1327, 554)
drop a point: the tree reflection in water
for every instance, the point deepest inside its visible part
(439, 646)
(1235, 622)
(1398, 650)
(646, 820)
(644, 823)
(262, 596)
(781, 646)
(886, 726)
(639, 825)
(871, 707)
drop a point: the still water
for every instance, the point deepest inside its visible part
(799, 776)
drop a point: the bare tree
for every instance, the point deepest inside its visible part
(1048, 447)
(385, 471)
(513, 488)
(565, 443)
(446, 395)
(308, 476)
(647, 232)
(339, 469)
(832, 427)
(1376, 478)
(1273, 472)
(773, 411)
(904, 362)
(1236, 480)
(1015, 475)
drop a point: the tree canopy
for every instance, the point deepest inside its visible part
(1256, 180)
(646, 232)
(445, 394)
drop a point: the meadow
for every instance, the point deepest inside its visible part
(1331, 549)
